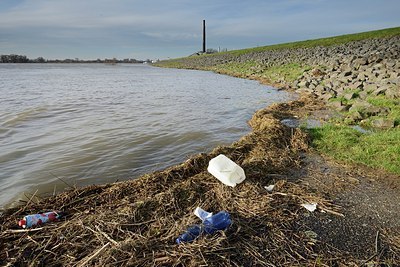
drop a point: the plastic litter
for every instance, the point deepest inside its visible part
(210, 225)
(310, 206)
(269, 188)
(191, 234)
(225, 170)
(219, 221)
(202, 214)
(38, 219)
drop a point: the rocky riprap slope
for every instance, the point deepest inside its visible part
(342, 75)
(352, 72)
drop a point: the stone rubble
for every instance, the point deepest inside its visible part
(353, 72)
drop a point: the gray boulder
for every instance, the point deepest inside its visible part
(383, 123)
(379, 91)
(371, 87)
(362, 95)
(338, 105)
(360, 62)
(367, 110)
(349, 96)
(393, 92)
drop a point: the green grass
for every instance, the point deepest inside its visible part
(336, 40)
(287, 72)
(242, 69)
(380, 149)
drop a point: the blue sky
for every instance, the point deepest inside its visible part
(90, 29)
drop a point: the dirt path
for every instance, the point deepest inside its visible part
(369, 200)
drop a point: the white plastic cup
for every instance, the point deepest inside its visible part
(225, 170)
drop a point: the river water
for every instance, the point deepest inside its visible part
(84, 124)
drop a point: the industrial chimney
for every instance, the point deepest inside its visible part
(204, 36)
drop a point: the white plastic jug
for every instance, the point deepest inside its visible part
(225, 170)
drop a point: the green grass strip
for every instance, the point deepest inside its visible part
(329, 41)
(380, 149)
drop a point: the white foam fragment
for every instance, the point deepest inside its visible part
(310, 206)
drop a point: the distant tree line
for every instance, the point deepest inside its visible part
(12, 58)
(213, 50)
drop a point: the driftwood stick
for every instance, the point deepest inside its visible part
(106, 236)
(136, 224)
(30, 200)
(94, 255)
(377, 243)
(331, 212)
(11, 231)
(280, 194)
(162, 259)
(34, 241)
(67, 184)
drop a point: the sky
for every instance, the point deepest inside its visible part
(161, 29)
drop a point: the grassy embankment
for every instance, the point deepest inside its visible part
(379, 148)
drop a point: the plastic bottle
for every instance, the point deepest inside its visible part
(38, 219)
(219, 221)
(225, 170)
(191, 234)
(210, 225)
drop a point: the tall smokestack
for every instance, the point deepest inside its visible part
(204, 35)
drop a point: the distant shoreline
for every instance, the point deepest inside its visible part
(12, 58)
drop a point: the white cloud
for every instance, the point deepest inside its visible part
(176, 23)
